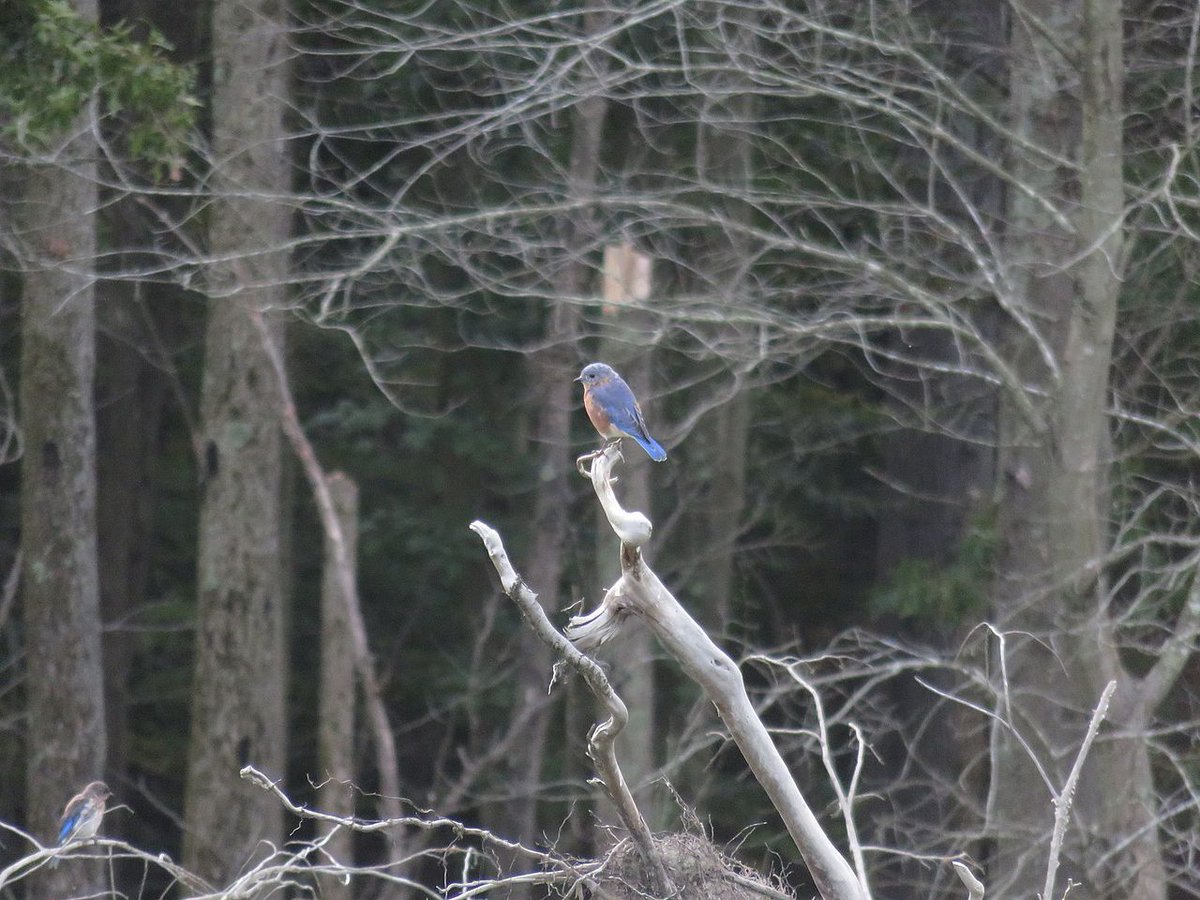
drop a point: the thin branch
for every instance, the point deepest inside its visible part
(9, 595)
(845, 799)
(387, 760)
(43, 855)
(1062, 803)
(370, 826)
(1153, 687)
(757, 887)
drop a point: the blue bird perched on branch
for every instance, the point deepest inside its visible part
(81, 817)
(614, 410)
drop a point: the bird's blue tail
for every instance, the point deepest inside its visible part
(652, 447)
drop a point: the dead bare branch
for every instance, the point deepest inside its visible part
(1062, 803)
(641, 592)
(973, 885)
(601, 740)
(387, 760)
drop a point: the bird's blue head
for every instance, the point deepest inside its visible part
(596, 373)
(97, 790)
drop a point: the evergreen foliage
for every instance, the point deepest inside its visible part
(54, 63)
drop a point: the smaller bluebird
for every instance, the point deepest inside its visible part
(82, 814)
(614, 410)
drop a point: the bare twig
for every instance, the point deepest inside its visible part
(845, 798)
(41, 855)
(756, 887)
(1062, 803)
(552, 868)
(369, 826)
(1173, 655)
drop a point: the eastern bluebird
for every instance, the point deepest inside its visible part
(82, 814)
(614, 410)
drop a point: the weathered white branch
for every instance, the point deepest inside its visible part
(602, 624)
(973, 885)
(603, 736)
(632, 528)
(845, 798)
(640, 592)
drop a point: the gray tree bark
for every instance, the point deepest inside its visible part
(726, 161)
(66, 740)
(238, 699)
(1052, 487)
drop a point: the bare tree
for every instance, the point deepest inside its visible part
(551, 424)
(1065, 260)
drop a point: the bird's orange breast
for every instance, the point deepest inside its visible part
(600, 419)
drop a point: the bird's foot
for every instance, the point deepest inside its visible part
(614, 446)
(584, 463)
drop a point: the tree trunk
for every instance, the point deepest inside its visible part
(1052, 487)
(60, 587)
(548, 377)
(725, 439)
(335, 718)
(725, 160)
(238, 714)
(238, 698)
(549, 373)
